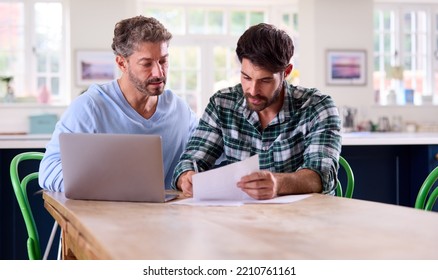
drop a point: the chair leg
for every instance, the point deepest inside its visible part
(60, 246)
(50, 242)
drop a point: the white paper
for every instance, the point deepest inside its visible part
(221, 183)
(218, 187)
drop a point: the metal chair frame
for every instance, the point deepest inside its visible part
(350, 180)
(427, 197)
(20, 190)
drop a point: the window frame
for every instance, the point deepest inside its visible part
(398, 34)
(273, 10)
(31, 73)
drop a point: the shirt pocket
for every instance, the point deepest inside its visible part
(236, 149)
(287, 155)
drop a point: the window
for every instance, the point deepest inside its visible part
(32, 50)
(202, 50)
(406, 38)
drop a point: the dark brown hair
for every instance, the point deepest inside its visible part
(266, 46)
(128, 33)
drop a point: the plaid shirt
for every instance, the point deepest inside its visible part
(304, 134)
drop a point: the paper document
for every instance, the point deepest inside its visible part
(221, 183)
(218, 187)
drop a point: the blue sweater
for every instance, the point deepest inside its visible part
(104, 109)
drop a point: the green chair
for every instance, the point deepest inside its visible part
(350, 180)
(20, 189)
(426, 198)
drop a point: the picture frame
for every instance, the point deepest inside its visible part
(346, 67)
(95, 66)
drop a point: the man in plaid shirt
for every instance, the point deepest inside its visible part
(294, 130)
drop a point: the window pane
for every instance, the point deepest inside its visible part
(191, 80)
(296, 21)
(54, 85)
(215, 22)
(408, 43)
(388, 20)
(220, 75)
(54, 62)
(41, 82)
(171, 18)
(184, 75)
(408, 62)
(191, 55)
(226, 67)
(238, 22)
(377, 63)
(387, 43)
(255, 18)
(376, 42)
(196, 21)
(220, 57)
(175, 80)
(287, 19)
(175, 57)
(407, 21)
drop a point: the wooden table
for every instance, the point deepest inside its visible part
(318, 227)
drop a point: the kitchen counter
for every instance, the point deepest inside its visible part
(389, 138)
(18, 141)
(24, 141)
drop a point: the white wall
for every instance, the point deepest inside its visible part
(92, 27)
(324, 24)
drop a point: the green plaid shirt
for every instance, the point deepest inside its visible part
(305, 134)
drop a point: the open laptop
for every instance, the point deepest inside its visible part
(116, 167)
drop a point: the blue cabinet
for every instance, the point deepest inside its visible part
(389, 173)
(424, 160)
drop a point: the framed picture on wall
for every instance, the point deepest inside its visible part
(94, 66)
(346, 67)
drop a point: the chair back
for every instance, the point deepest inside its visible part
(350, 180)
(20, 186)
(426, 197)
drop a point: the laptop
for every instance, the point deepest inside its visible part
(115, 167)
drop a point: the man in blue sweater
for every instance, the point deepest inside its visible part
(136, 103)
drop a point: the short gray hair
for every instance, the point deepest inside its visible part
(128, 33)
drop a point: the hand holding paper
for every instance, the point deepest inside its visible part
(221, 183)
(219, 187)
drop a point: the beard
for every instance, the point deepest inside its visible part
(265, 102)
(147, 87)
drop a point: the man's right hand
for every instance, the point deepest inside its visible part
(185, 184)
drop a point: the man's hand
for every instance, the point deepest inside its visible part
(259, 185)
(185, 184)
